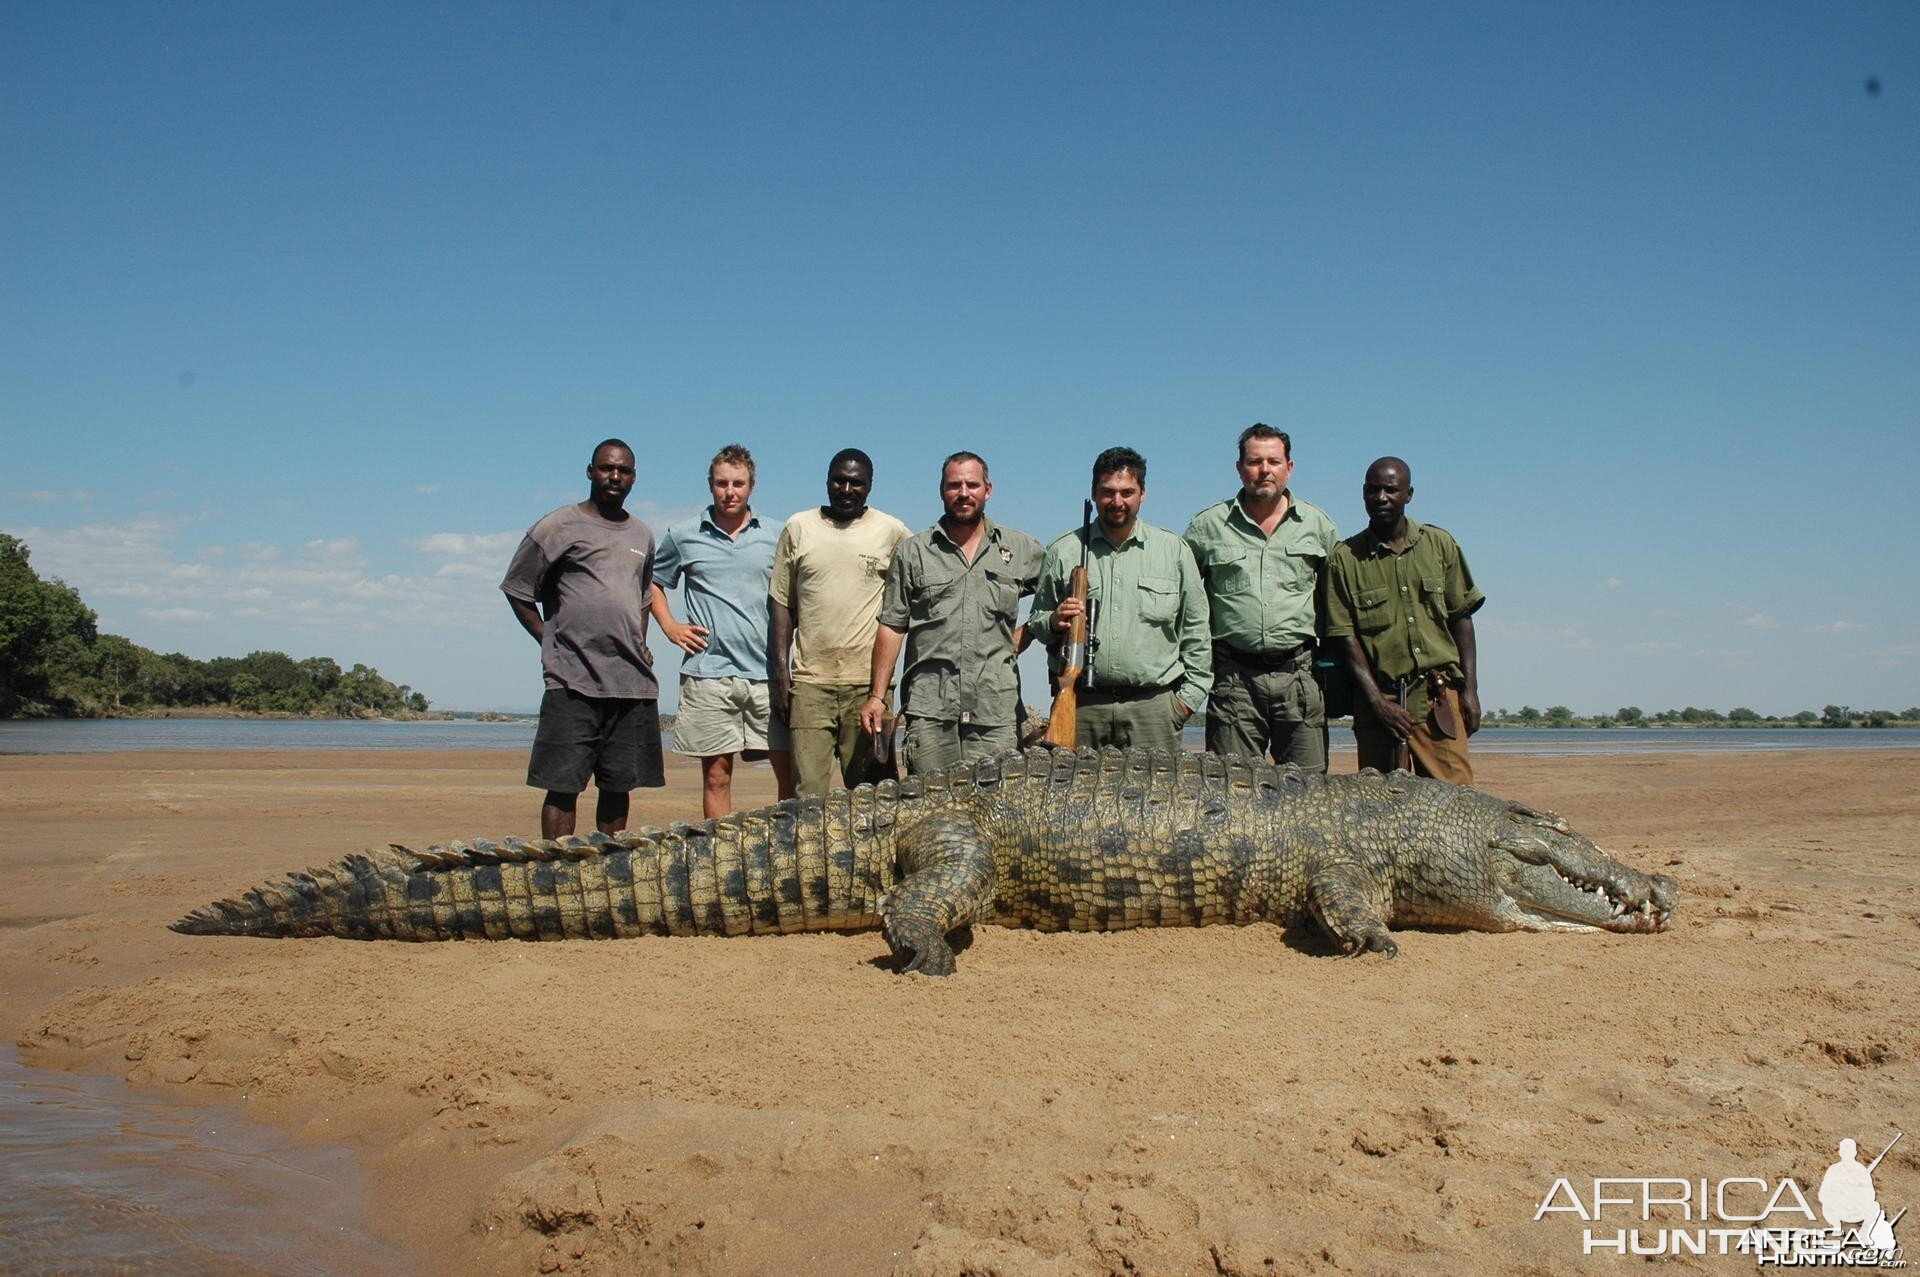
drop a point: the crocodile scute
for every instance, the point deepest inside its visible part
(1052, 840)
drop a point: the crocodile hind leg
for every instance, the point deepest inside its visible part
(946, 882)
(1352, 915)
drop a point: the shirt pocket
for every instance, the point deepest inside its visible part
(936, 599)
(1433, 594)
(1233, 573)
(1159, 601)
(1302, 569)
(1373, 610)
(1003, 595)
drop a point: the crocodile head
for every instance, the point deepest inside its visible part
(1546, 877)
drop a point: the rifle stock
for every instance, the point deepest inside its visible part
(1063, 722)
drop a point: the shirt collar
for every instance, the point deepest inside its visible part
(989, 531)
(709, 519)
(1375, 547)
(1239, 511)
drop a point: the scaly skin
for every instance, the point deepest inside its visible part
(1050, 840)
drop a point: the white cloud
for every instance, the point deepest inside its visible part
(1758, 621)
(47, 496)
(458, 545)
(443, 581)
(1729, 658)
(1612, 583)
(1836, 627)
(1652, 645)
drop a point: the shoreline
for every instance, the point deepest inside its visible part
(1177, 1100)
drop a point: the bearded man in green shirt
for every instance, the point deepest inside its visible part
(1400, 601)
(1262, 554)
(1151, 661)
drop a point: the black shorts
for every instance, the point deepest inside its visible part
(615, 741)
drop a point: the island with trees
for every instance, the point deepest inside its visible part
(1740, 716)
(54, 663)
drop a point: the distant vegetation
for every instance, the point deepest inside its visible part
(1739, 716)
(55, 663)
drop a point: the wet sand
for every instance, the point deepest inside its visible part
(1225, 1100)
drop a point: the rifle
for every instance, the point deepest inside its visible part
(1063, 723)
(1402, 752)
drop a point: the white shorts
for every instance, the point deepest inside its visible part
(726, 716)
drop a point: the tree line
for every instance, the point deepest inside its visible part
(1692, 716)
(54, 662)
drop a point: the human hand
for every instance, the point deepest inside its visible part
(1394, 719)
(691, 639)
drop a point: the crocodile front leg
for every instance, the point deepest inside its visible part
(946, 882)
(1344, 899)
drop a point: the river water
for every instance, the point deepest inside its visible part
(97, 1178)
(97, 735)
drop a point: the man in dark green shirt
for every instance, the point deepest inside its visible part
(1400, 601)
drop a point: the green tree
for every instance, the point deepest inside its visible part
(1836, 716)
(1559, 715)
(1528, 714)
(1741, 714)
(1806, 716)
(46, 635)
(1630, 716)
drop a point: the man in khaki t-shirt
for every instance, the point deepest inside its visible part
(828, 574)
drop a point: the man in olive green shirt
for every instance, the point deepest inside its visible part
(953, 598)
(1150, 661)
(1262, 554)
(1400, 601)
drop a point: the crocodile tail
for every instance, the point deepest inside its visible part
(819, 864)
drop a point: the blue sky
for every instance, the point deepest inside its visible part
(310, 310)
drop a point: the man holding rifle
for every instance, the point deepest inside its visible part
(1400, 602)
(953, 599)
(1262, 554)
(1150, 661)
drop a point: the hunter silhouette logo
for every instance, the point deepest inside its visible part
(1774, 1221)
(1850, 1206)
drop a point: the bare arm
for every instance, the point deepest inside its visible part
(688, 638)
(779, 645)
(529, 617)
(1463, 638)
(886, 650)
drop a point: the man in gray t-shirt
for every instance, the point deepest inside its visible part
(579, 584)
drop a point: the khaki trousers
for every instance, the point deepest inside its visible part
(936, 746)
(1255, 711)
(824, 727)
(1435, 756)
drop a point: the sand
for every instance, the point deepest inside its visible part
(1217, 1101)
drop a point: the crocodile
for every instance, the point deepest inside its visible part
(1052, 840)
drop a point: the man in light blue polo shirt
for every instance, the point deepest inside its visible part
(724, 559)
